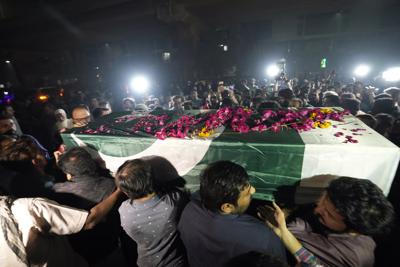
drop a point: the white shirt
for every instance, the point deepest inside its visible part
(61, 220)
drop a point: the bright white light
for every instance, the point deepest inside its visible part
(362, 70)
(225, 48)
(166, 56)
(140, 84)
(273, 70)
(8, 61)
(391, 74)
(5, 93)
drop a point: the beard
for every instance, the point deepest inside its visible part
(314, 220)
(11, 132)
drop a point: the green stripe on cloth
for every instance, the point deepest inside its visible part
(271, 159)
(116, 146)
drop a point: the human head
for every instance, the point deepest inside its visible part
(7, 125)
(394, 92)
(128, 104)
(225, 188)
(382, 95)
(286, 94)
(187, 105)
(269, 104)
(24, 150)
(135, 179)
(313, 97)
(347, 96)
(296, 103)
(352, 105)
(94, 103)
(60, 114)
(351, 204)
(194, 95)
(177, 99)
(80, 116)
(77, 162)
(383, 105)
(141, 107)
(384, 123)
(106, 105)
(368, 119)
(7, 110)
(330, 99)
(99, 112)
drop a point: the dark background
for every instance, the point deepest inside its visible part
(101, 43)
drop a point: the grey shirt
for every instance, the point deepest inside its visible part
(335, 250)
(153, 226)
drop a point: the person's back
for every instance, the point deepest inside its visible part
(215, 228)
(84, 189)
(83, 178)
(212, 239)
(30, 232)
(150, 218)
(152, 225)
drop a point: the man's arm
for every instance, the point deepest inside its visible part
(278, 225)
(98, 212)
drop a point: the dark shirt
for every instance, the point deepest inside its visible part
(84, 192)
(90, 190)
(212, 239)
(153, 225)
(21, 179)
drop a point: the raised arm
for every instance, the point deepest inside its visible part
(275, 219)
(98, 212)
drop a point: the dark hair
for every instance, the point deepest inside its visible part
(221, 182)
(104, 103)
(77, 161)
(383, 95)
(98, 112)
(20, 150)
(269, 104)
(384, 123)
(383, 105)
(5, 116)
(332, 100)
(368, 119)
(255, 259)
(351, 104)
(347, 96)
(135, 179)
(226, 102)
(362, 204)
(286, 93)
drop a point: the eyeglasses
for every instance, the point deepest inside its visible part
(82, 119)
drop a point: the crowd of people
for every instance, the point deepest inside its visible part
(61, 206)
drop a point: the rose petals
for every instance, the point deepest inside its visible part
(242, 120)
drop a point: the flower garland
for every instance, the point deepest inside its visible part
(241, 120)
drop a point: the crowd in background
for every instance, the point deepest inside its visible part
(377, 107)
(34, 164)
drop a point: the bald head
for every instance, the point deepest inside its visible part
(80, 116)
